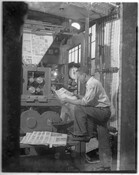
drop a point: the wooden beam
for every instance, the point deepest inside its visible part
(127, 143)
(40, 16)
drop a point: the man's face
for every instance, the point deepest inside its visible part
(82, 78)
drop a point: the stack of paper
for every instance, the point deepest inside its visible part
(45, 138)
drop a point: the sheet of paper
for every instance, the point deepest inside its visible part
(26, 138)
(62, 93)
(45, 138)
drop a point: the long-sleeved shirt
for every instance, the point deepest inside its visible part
(95, 94)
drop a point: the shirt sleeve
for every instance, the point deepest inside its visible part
(89, 95)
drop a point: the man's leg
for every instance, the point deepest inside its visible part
(64, 113)
(80, 122)
(105, 154)
(67, 112)
(100, 116)
(81, 115)
(91, 127)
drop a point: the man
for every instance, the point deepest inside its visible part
(95, 107)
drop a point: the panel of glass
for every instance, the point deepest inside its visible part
(76, 56)
(93, 47)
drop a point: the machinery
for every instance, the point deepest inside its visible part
(39, 107)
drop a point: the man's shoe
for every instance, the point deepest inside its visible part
(80, 138)
(93, 135)
(92, 160)
(63, 124)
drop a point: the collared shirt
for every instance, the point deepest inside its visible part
(95, 94)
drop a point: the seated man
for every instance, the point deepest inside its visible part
(67, 115)
(94, 106)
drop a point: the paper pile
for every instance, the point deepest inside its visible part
(45, 138)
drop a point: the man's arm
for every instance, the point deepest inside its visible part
(78, 96)
(89, 96)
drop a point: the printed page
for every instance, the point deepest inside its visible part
(46, 138)
(36, 138)
(41, 137)
(62, 93)
(32, 138)
(52, 140)
(59, 139)
(36, 141)
(26, 138)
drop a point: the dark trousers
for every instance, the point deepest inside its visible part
(99, 116)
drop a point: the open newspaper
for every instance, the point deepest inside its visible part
(45, 138)
(62, 93)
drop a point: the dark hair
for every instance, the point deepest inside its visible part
(83, 70)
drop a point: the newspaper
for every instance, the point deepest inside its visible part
(62, 93)
(45, 138)
(25, 138)
(39, 138)
(57, 139)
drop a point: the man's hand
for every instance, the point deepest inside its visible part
(78, 96)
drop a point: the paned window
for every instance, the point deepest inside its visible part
(75, 54)
(92, 41)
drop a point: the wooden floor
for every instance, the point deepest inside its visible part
(53, 162)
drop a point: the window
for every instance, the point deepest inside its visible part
(92, 47)
(92, 41)
(75, 54)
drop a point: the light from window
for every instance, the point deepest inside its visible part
(75, 54)
(92, 41)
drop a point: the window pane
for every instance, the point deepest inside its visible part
(72, 56)
(79, 54)
(69, 58)
(93, 32)
(76, 48)
(72, 50)
(89, 30)
(93, 50)
(80, 46)
(89, 38)
(76, 56)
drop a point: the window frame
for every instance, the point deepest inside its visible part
(75, 54)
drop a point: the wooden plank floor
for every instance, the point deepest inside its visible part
(64, 163)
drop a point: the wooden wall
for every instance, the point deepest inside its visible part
(127, 155)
